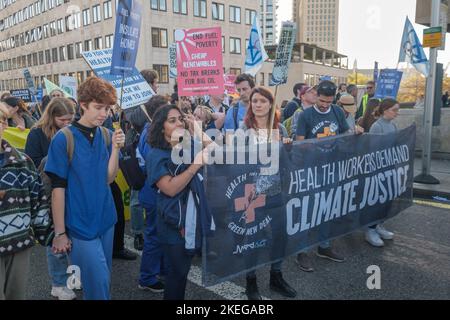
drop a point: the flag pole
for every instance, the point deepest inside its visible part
(116, 125)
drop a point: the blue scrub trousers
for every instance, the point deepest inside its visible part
(152, 263)
(179, 266)
(94, 258)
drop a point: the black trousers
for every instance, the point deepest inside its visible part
(119, 230)
(179, 265)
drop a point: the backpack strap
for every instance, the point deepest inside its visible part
(69, 142)
(106, 136)
(235, 116)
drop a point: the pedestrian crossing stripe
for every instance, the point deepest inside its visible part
(432, 204)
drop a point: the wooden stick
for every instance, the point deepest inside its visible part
(272, 115)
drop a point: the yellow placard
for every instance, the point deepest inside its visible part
(432, 40)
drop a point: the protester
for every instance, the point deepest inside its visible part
(348, 105)
(370, 93)
(16, 239)
(258, 119)
(295, 103)
(235, 115)
(5, 95)
(387, 112)
(218, 108)
(445, 100)
(137, 119)
(308, 97)
(18, 114)
(369, 117)
(342, 89)
(59, 114)
(56, 93)
(82, 204)
(420, 102)
(174, 182)
(153, 265)
(322, 120)
(353, 91)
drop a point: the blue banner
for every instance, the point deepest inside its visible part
(256, 53)
(324, 189)
(411, 50)
(126, 37)
(376, 72)
(388, 83)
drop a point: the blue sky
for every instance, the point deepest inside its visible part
(371, 30)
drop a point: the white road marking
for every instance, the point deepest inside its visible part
(226, 290)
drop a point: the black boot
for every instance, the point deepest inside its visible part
(278, 284)
(251, 289)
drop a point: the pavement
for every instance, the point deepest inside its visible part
(415, 265)
(440, 169)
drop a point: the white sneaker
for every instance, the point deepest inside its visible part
(373, 238)
(63, 293)
(384, 234)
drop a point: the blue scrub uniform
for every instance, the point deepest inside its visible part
(90, 214)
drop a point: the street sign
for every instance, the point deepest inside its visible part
(432, 37)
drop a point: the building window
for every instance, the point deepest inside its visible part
(200, 8)
(159, 38)
(180, 6)
(96, 14)
(62, 53)
(223, 44)
(236, 71)
(109, 39)
(163, 72)
(41, 57)
(52, 29)
(218, 11)
(60, 26)
(86, 17)
(160, 5)
(98, 43)
(249, 16)
(235, 45)
(235, 14)
(55, 55)
(78, 49)
(88, 45)
(70, 55)
(107, 10)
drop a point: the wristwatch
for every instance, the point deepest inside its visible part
(59, 234)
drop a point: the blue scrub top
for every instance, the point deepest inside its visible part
(89, 205)
(229, 121)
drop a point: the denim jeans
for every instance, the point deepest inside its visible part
(137, 213)
(57, 268)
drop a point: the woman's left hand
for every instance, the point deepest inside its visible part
(21, 127)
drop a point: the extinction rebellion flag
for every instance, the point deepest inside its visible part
(324, 189)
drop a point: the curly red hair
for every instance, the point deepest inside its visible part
(98, 90)
(249, 120)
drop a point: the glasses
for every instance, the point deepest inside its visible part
(369, 88)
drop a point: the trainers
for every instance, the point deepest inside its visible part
(304, 262)
(373, 238)
(158, 287)
(328, 253)
(139, 242)
(251, 289)
(63, 293)
(124, 254)
(384, 234)
(278, 284)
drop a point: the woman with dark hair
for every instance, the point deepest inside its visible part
(369, 117)
(176, 183)
(59, 114)
(386, 113)
(18, 114)
(258, 118)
